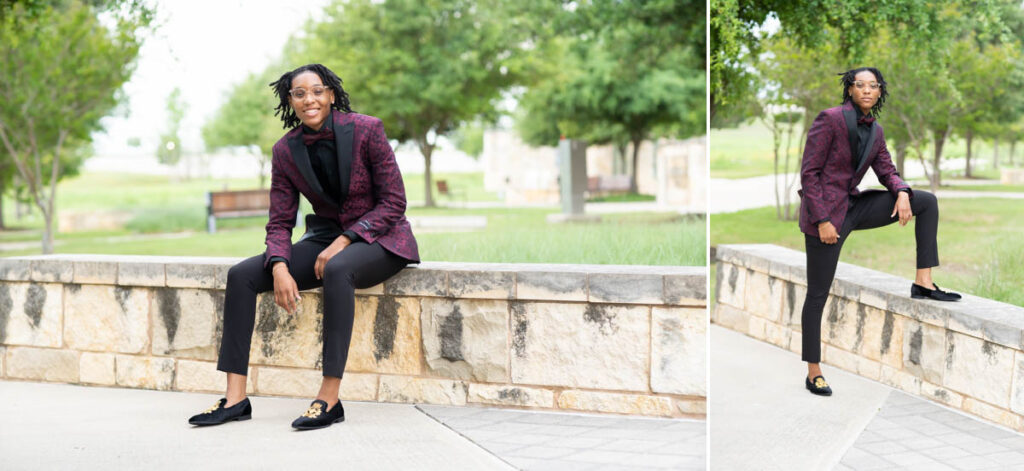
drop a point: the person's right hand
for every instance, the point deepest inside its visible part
(286, 292)
(827, 233)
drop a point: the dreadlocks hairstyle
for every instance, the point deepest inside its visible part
(847, 79)
(284, 84)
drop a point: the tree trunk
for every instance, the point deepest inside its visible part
(901, 156)
(48, 235)
(426, 148)
(995, 153)
(1013, 148)
(633, 188)
(940, 140)
(2, 226)
(263, 171)
(970, 139)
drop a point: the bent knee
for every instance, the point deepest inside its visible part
(337, 267)
(925, 198)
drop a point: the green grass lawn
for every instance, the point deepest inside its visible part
(170, 219)
(746, 151)
(979, 244)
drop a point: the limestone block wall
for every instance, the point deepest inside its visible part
(968, 355)
(615, 339)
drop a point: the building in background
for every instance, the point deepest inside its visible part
(673, 171)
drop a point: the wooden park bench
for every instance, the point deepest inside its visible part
(235, 204)
(449, 192)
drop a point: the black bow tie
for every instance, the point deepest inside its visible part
(325, 132)
(866, 120)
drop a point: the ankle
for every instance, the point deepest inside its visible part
(232, 399)
(330, 400)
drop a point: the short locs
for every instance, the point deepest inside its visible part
(847, 78)
(284, 84)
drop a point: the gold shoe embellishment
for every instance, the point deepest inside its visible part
(211, 409)
(820, 383)
(313, 411)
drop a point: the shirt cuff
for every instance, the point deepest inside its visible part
(352, 236)
(823, 220)
(276, 258)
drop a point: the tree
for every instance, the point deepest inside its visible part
(246, 119)
(988, 79)
(632, 73)
(168, 152)
(422, 67)
(61, 73)
(794, 76)
(851, 24)
(469, 138)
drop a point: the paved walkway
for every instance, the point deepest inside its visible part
(60, 426)
(762, 418)
(564, 442)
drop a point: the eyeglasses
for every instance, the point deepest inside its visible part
(860, 84)
(300, 93)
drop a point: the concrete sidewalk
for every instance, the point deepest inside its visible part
(762, 418)
(57, 426)
(60, 426)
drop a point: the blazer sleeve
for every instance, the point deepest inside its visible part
(284, 205)
(886, 171)
(819, 141)
(388, 188)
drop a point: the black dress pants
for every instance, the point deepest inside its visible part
(868, 210)
(360, 265)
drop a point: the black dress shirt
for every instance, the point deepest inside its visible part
(863, 135)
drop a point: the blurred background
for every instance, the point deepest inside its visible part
(953, 123)
(119, 116)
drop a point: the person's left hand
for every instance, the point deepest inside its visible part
(338, 245)
(903, 208)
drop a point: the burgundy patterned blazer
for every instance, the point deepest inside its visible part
(827, 174)
(372, 192)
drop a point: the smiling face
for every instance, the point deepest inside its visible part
(865, 96)
(311, 109)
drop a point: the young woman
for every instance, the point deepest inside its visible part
(841, 144)
(358, 237)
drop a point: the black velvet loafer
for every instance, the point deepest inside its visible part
(318, 417)
(818, 386)
(920, 292)
(218, 414)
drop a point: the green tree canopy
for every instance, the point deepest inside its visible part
(246, 119)
(618, 74)
(61, 73)
(423, 67)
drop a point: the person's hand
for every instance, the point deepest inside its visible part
(827, 233)
(286, 292)
(338, 245)
(903, 208)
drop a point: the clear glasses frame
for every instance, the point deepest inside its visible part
(300, 93)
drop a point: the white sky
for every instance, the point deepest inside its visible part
(203, 47)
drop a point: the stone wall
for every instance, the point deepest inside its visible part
(968, 355)
(616, 339)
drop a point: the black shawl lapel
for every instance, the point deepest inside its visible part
(301, 157)
(343, 147)
(851, 127)
(867, 148)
